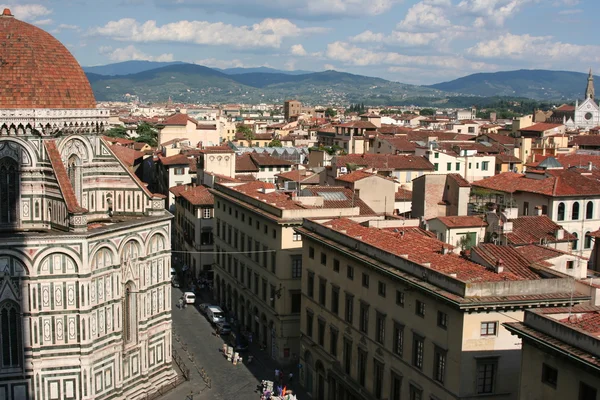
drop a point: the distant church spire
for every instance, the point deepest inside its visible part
(589, 90)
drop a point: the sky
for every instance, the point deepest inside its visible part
(417, 42)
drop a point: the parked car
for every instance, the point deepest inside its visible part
(189, 298)
(215, 314)
(175, 282)
(223, 328)
(204, 307)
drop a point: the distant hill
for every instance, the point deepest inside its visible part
(198, 84)
(128, 67)
(534, 84)
(265, 70)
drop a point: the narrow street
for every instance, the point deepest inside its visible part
(196, 344)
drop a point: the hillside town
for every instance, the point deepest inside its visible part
(290, 251)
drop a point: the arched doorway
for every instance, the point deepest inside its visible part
(273, 340)
(264, 334)
(320, 370)
(308, 374)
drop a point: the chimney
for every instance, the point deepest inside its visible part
(560, 234)
(445, 249)
(590, 166)
(499, 266)
(538, 210)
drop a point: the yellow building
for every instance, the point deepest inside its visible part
(393, 314)
(561, 353)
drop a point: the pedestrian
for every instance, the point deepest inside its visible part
(181, 303)
(290, 376)
(276, 373)
(281, 377)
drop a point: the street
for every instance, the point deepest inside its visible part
(194, 340)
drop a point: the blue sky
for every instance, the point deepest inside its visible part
(420, 42)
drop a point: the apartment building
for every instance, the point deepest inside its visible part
(258, 265)
(393, 314)
(173, 171)
(568, 196)
(194, 210)
(560, 356)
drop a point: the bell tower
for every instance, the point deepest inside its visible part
(589, 90)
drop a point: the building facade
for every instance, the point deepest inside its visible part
(396, 315)
(85, 309)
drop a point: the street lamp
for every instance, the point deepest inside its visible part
(277, 293)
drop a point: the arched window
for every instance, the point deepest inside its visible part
(561, 212)
(9, 190)
(575, 211)
(575, 241)
(589, 210)
(10, 335)
(129, 313)
(587, 241)
(74, 172)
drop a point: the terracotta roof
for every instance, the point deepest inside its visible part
(534, 229)
(585, 140)
(558, 182)
(38, 71)
(139, 145)
(174, 141)
(536, 253)
(459, 180)
(300, 175)
(266, 160)
(351, 200)
(510, 258)
(121, 141)
(386, 162)
(540, 127)
(508, 158)
(422, 136)
(403, 195)
(62, 178)
(463, 221)
(196, 195)
(588, 322)
(566, 107)
(358, 124)
(354, 176)
(244, 163)
(498, 138)
(177, 159)
(245, 177)
(127, 155)
(421, 249)
(177, 119)
(386, 129)
(400, 143)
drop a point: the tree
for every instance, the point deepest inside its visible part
(147, 133)
(117, 132)
(427, 111)
(330, 112)
(275, 143)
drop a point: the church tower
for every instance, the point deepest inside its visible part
(589, 90)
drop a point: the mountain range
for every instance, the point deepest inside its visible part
(183, 82)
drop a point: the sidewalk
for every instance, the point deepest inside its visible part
(266, 365)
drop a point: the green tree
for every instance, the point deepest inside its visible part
(147, 133)
(241, 128)
(275, 143)
(117, 132)
(330, 112)
(427, 111)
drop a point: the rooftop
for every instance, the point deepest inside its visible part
(535, 229)
(463, 221)
(196, 195)
(541, 127)
(385, 162)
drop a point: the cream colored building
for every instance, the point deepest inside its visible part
(396, 315)
(560, 353)
(182, 126)
(258, 265)
(462, 232)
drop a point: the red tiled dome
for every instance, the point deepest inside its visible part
(37, 71)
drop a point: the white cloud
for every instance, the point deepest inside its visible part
(400, 38)
(293, 8)
(268, 33)
(131, 53)
(329, 67)
(27, 12)
(538, 48)
(298, 50)
(69, 27)
(571, 11)
(349, 54)
(426, 15)
(494, 12)
(42, 22)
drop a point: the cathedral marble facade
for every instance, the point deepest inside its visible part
(85, 254)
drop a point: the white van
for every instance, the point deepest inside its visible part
(189, 297)
(215, 315)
